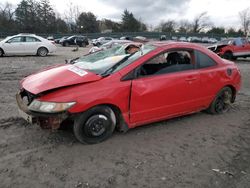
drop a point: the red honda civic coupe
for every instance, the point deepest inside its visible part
(115, 89)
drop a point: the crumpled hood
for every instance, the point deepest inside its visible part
(56, 77)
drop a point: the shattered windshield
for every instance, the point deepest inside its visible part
(110, 60)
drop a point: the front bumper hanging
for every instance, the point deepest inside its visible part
(44, 120)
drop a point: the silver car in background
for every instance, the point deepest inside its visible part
(26, 44)
(101, 40)
(107, 45)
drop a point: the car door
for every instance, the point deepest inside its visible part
(241, 47)
(15, 45)
(164, 89)
(31, 44)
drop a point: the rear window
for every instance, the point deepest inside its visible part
(204, 60)
(32, 39)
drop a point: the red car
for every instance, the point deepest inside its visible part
(112, 89)
(232, 48)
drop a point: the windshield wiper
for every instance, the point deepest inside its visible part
(111, 69)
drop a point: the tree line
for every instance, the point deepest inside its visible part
(38, 16)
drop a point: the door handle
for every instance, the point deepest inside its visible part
(190, 79)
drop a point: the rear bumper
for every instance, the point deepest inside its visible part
(53, 49)
(44, 120)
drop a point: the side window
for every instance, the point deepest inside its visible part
(204, 60)
(168, 62)
(15, 40)
(32, 39)
(244, 41)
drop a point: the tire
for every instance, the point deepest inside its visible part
(42, 52)
(95, 125)
(228, 55)
(66, 44)
(222, 101)
(84, 44)
(1, 52)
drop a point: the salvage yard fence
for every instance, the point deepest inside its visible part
(150, 35)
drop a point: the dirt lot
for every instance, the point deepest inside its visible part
(177, 153)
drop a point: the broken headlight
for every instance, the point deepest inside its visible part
(49, 107)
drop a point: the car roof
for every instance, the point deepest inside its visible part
(175, 44)
(25, 34)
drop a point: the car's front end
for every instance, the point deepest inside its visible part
(68, 92)
(43, 113)
(42, 98)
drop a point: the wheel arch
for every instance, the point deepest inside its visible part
(2, 50)
(228, 51)
(121, 124)
(42, 47)
(233, 91)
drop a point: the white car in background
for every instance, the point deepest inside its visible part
(26, 44)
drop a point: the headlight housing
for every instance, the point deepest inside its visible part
(49, 107)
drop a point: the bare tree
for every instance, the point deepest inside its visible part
(201, 22)
(184, 26)
(71, 15)
(245, 20)
(167, 26)
(7, 10)
(7, 22)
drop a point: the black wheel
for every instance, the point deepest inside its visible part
(66, 44)
(84, 44)
(95, 125)
(222, 101)
(1, 52)
(42, 52)
(228, 55)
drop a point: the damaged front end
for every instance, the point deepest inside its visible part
(31, 113)
(217, 48)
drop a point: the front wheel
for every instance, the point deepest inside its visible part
(95, 125)
(222, 101)
(1, 53)
(228, 55)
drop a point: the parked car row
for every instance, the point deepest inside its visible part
(190, 39)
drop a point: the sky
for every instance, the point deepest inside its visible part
(152, 12)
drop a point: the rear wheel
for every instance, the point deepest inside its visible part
(222, 101)
(42, 52)
(95, 125)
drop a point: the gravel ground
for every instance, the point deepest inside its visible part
(198, 150)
